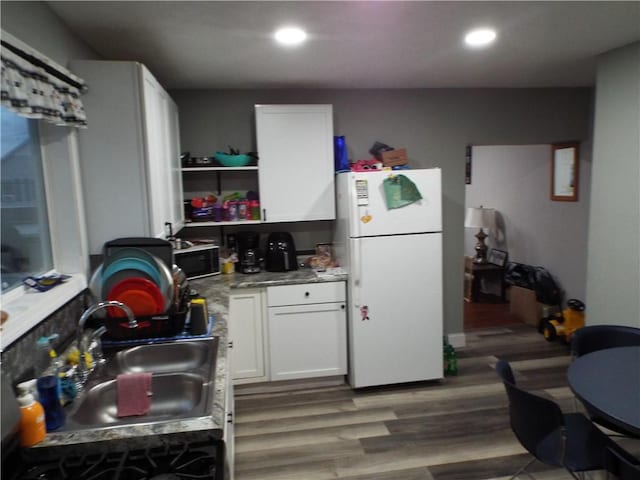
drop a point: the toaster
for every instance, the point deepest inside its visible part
(280, 253)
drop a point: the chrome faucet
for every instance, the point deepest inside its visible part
(83, 368)
(91, 344)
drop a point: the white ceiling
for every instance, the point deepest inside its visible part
(358, 44)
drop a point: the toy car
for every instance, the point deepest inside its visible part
(565, 323)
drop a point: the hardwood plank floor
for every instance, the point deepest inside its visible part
(487, 315)
(453, 429)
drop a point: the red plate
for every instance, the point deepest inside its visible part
(142, 296)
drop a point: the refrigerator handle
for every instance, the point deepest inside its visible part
(357, 269)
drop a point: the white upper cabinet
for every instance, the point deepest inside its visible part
(130, 154)
(296, 174)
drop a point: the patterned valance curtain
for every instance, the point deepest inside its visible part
(34, 86)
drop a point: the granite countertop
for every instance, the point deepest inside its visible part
(216, 290)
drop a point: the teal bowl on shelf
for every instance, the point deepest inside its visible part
(232, 160)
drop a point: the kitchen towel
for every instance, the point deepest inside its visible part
(134, 393)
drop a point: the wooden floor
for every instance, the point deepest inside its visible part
(454, 429)
(487, 315)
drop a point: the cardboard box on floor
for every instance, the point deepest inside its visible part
(525, 307)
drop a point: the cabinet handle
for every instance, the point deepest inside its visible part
(306, 294)
(230, 344)
(230, 417)
(264, 214)
(342, 307)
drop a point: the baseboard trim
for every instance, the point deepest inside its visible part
(457, 340)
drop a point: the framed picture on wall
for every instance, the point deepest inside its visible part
(498, 257)
(564, 172)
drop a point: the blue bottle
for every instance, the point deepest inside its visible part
(50, 400)
(340, 154)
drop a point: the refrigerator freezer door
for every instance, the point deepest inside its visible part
(368, 212)
(395, 332)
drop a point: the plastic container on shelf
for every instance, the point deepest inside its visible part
(217, 212)
(233, 211)
(254, 209)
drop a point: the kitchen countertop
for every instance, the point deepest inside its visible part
(216, 290)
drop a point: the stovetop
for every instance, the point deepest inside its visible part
(187, 460)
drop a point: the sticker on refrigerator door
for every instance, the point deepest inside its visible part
(362, 192)
(366, 218)
(364, 313)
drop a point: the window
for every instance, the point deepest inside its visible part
(25, 239)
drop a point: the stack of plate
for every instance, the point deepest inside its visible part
(136, 278)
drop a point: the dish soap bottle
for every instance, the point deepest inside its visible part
(32, 422)
(49, 387)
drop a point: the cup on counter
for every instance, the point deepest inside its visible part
(228, 267)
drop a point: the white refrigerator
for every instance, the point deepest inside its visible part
(393, 258)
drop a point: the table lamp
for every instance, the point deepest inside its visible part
(480, 217)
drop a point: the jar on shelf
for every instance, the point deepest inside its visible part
(233, 211)
(254, 209)
(243, 210)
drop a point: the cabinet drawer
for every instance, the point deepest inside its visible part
(305, 294)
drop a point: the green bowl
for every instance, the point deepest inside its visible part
(232, 160)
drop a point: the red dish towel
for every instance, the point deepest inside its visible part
(134, 393)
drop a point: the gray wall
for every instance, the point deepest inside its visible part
(35, 24)
(613, 268)
(434, 125)
(515, 180)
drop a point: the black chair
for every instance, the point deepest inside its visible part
(563, 440)
(622, 464)
(598, 337)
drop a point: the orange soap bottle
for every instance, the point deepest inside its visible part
(32, 425)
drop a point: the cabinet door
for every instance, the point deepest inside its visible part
(295, 145)
(246, 340)
(158, 167)
(175, 208)
(229, 432)
(112, 154)
(307, 341)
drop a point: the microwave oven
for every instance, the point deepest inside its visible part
(198, 261)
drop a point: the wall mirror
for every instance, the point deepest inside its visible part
(564, 172)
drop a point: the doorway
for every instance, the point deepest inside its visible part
(530, 227)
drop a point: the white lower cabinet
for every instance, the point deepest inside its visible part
(246, 336)
(307, 330)
(229, 432)
(288, 332)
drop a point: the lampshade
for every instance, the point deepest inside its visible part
(480, 217)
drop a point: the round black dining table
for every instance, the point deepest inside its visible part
(608, 382)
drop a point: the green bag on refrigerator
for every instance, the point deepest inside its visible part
(399, 191)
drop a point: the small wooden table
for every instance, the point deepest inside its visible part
(476, 273)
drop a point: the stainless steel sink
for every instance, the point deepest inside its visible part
(162, 358)
(175, 395)
(183, 375)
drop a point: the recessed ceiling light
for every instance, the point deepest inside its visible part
(480, 37)
(290, 36)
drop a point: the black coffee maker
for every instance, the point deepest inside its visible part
(248, 252)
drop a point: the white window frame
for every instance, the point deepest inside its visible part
(67, 227)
